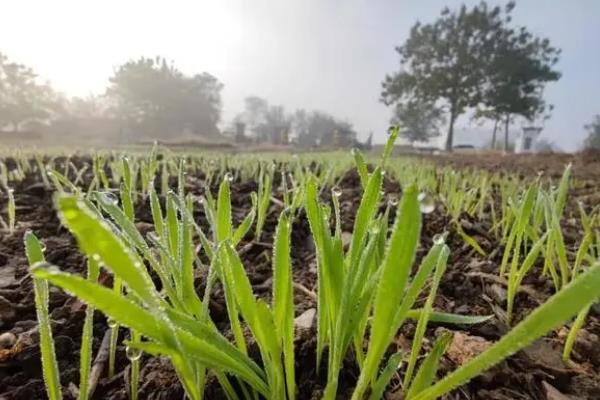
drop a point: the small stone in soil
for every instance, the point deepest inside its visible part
(465, 347)
(306, 319)
(7, 340)
(552, 393)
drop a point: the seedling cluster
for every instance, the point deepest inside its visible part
(367, 287)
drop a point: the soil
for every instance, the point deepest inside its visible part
(470, 286)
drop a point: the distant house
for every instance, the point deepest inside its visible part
(526, 139)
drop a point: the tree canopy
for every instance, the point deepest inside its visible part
(419, 121)
(469, 58)
(267, 122)
(320, 128)
(22, 97)
(156, 97)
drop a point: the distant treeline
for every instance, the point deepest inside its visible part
(151, 98)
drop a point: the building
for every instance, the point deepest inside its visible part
(525, 142)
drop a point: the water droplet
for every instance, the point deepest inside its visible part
(11, 191)
(132, 353)
(337, 192)
(211, 163)
(426, 203)
(228, 177)
(439, 238)
(96, 257)
(393, 200)
(110, 197)
(111, 323)
(383, 172)
(354, 151)
(201, 200)
(382, 192)
(374, 229)
(52, 269)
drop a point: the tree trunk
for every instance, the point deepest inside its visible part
(494, 134)
(506, 123)
(450, 136)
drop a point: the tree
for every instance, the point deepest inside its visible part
(320, 128)
(518, 69)
(419, 121)
(92, 106)
(158, 98)
(489, 114)
(312, 128)
(200, 106)
(300, 124)
(275, 124)
(255, 109)
(465, 59)
(441, 61)
(592, 142)
(22, 98)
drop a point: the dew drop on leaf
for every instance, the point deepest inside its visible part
(426, 203)
(53, 269)
(132, 353)
(337, 192)
(439, 238)
(110, 197)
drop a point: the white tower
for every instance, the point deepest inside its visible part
(526, 140)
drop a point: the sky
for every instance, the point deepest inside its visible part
(329, 55)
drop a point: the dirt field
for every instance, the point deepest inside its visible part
(470, 286)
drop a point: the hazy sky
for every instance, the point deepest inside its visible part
(322, 54)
